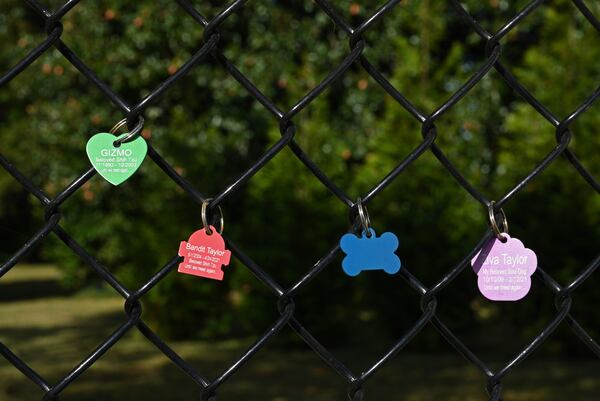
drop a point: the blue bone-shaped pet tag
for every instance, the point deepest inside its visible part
(374, 253)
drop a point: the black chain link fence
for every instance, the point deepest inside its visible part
(287, 296)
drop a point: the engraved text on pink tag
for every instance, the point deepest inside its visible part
(504, 269)
(204, 255)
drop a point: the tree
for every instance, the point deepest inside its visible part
(211, 130)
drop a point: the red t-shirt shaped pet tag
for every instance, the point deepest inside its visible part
(204, 254)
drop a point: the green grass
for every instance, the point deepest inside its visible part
(52, 330)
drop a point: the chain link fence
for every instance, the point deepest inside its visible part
(287, 297)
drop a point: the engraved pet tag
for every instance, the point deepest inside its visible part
(374, 253)
(204, 254)
(504, 269)
(115, 164)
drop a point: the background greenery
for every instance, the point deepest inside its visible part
(210, 129)
(53, 329)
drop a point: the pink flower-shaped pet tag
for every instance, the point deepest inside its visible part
(504, 269)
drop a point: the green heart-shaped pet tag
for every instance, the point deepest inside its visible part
(115, 164)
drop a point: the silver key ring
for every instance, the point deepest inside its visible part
(135, 132)
(494, 223)
(365, 221)
(205, 220)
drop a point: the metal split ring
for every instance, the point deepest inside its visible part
(135, 132)
(494, 223)
(363, 214)
(205, 220)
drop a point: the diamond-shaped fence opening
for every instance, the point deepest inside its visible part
(288, 294)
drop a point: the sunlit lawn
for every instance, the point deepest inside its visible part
(53, 330)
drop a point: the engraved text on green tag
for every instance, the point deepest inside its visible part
(115, 164)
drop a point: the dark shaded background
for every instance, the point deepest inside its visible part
(211, 130)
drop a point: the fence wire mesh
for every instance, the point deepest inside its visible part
(287, 297)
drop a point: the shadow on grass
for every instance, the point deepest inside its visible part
(53, 335)
(28, 290)
(278, 375)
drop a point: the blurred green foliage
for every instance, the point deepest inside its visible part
(211, 130)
